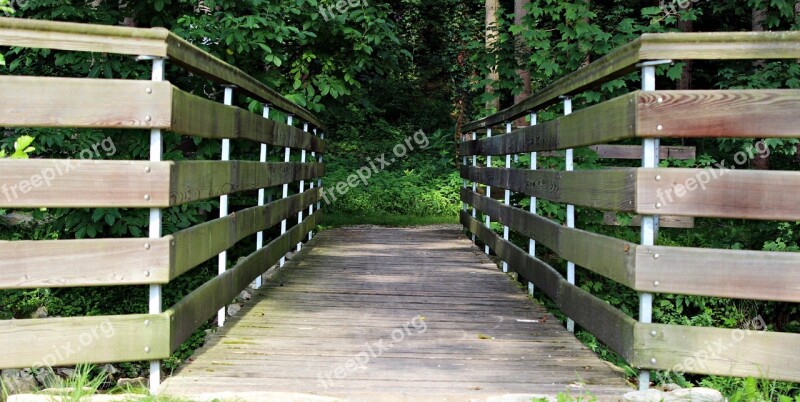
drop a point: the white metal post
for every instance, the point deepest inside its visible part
(474, 184)
(302, 187)
(507, 198)
(286, 158)
(488, 188)
(464, 205)
(155, 227)
(532, 242)
(648, 234)
(261, 198)
(223, 205)
(319, 180)
(570, 211)
(311, 183)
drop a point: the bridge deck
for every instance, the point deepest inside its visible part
(392, 314)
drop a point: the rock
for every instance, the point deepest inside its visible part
(244, 296)
(18, 381)
(65, 372)
(651, 395)
(40, 312)
(233, 309)
(677, 395)
(65, 391)
(669, 387)
(46, 377)
(127, 383)
(110, 371)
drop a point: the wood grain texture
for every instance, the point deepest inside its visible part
(200, 117)
(664, 221)
(59, 342)
(607, 256)
(77, 263)
(608, 324)
(51, 183)
(737, 274)
(719, 114)
(199, 243)
(200, 180)
(350, 288)
(606, 122)
(197, 307)
(611, 189)
(83, 37)
(726, 352)
(728, 193)
(676, 152)
(83, 103)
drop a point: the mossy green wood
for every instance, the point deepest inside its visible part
(611, 189)
(196, 116)
(748, 352)
(199, 243)
(68, 341)
(608, 324)
(200, 180)
(195, 309)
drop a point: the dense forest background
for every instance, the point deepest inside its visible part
(382, 71)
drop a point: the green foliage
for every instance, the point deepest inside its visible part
(22, 147)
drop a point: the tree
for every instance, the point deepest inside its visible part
(492, 34)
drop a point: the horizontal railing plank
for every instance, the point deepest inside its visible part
(76, 263)
(59, 342)
(718, 193)
(664, 221)
(607, 256)
(608, 324)
(738, 274)
(51, 183)
(611, 189)
(675, 46)
(200, 117)
(199, 243)
(83, 103)
(197, 307)
(750, 352)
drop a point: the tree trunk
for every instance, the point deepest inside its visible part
(685, 81)
(523, 52)
(761, 161)
(491, 38)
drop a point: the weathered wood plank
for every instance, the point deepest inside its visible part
(728, 193)
(611, 326)
(738, 274)
(607, 256)
(54, 183)
(664, 221)
(726, 352)
(83, 37)
(199, 180)
(75, 263)
(196, 308)
(68, 341)
(200, 117)
(611, 189)
(83, 103)
(677, 152)
(199, 243)
(719, 114)
(606, 122)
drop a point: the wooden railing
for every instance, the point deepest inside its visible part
(155, 184)
(649, 114)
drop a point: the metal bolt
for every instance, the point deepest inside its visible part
(146, 323)
(655, 283)
(147, 246)
(658, 177)
(147, 349)
(658, 205)
(659, 127)
(655, 256)
(653, 361)
(149, 90)
(147, 274)
(653, 333)
(147, 197)
(147, 169)
(147, 118)
(660, 99)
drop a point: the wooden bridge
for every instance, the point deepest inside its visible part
(398, 313)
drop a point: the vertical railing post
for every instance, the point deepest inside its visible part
(156, 227)
(319, 180)
(311, 184)
(260, 235)
(474, 184)
(223, 205)
(569, 166)
(532, 242)
(507, 199)
(464, 205)
(286, 158)
(488, 189)
(302, 187)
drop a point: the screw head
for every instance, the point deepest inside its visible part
(658, 177)
(147, 197)
(653, 333)
(656, 283)
(147, 169)
(658, 205)
(147, 246)
(653, 361)
(146, 274)
(148, 118)
(659, 127)
(656, 256)
(149, 90)
(146, 323)
(660, 100)
(147, 349)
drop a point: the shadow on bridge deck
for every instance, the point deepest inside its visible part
(392, 314)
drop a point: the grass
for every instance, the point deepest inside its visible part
(335, 220)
